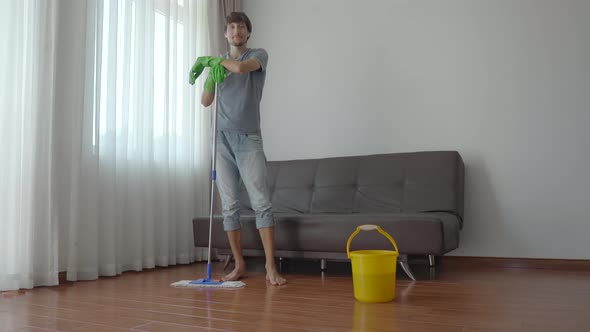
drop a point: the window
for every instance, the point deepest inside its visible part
(142, 61)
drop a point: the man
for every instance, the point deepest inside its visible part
(239, 143)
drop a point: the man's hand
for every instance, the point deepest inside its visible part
(210, 61)
(196, 70)
(206, 61)
(218, 73)
(216, 76)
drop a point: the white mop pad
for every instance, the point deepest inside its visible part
(225, 284)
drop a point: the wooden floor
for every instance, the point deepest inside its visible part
(463, 297)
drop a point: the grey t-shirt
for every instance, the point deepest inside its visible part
(240, 94)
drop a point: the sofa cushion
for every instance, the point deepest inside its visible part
(414, 233)
(386, 183)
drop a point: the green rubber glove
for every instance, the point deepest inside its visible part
(196, 70)
(200, 64)
(210, 61)
(218, 73)
(209, 84)
(216, 76)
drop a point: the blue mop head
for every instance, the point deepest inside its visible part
(208, 282)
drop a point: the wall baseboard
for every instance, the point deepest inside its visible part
(490, 262)
(519, 263)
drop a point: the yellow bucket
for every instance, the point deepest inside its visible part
(373, 271)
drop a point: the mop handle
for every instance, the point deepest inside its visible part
(213, 178)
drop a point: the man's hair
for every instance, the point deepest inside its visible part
(238, 17)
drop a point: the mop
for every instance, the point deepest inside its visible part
(207, 282)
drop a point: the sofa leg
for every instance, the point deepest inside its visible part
(431, 260)
(432, 273)
(403, 262)
(281, 263)
(323, 265)
(227, 261)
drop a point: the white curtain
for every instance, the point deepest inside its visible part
(104, 147)
(140, 169)
(28, 229)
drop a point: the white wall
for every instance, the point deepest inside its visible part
(506, 83)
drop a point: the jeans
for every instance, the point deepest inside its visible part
(242, 155)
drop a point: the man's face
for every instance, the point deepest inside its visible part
(237, 34)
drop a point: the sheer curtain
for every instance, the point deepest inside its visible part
(104, 147)
(140, 167)
(28, 229)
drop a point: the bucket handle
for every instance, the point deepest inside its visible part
(369, 227)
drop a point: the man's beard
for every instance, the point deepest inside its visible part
(238, 44)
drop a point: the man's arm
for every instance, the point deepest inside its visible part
(241, 67)
(238, 67)
(208, 94)
(216, 76)
(207, 98)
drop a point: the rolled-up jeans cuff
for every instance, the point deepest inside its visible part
(231, 224)
(264, 220)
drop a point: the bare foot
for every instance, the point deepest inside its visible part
(275, 278)
(236, 274)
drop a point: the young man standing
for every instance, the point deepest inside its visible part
(239, 143)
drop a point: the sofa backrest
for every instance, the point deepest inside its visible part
(383, 183)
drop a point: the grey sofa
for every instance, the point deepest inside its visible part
(416, 197)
